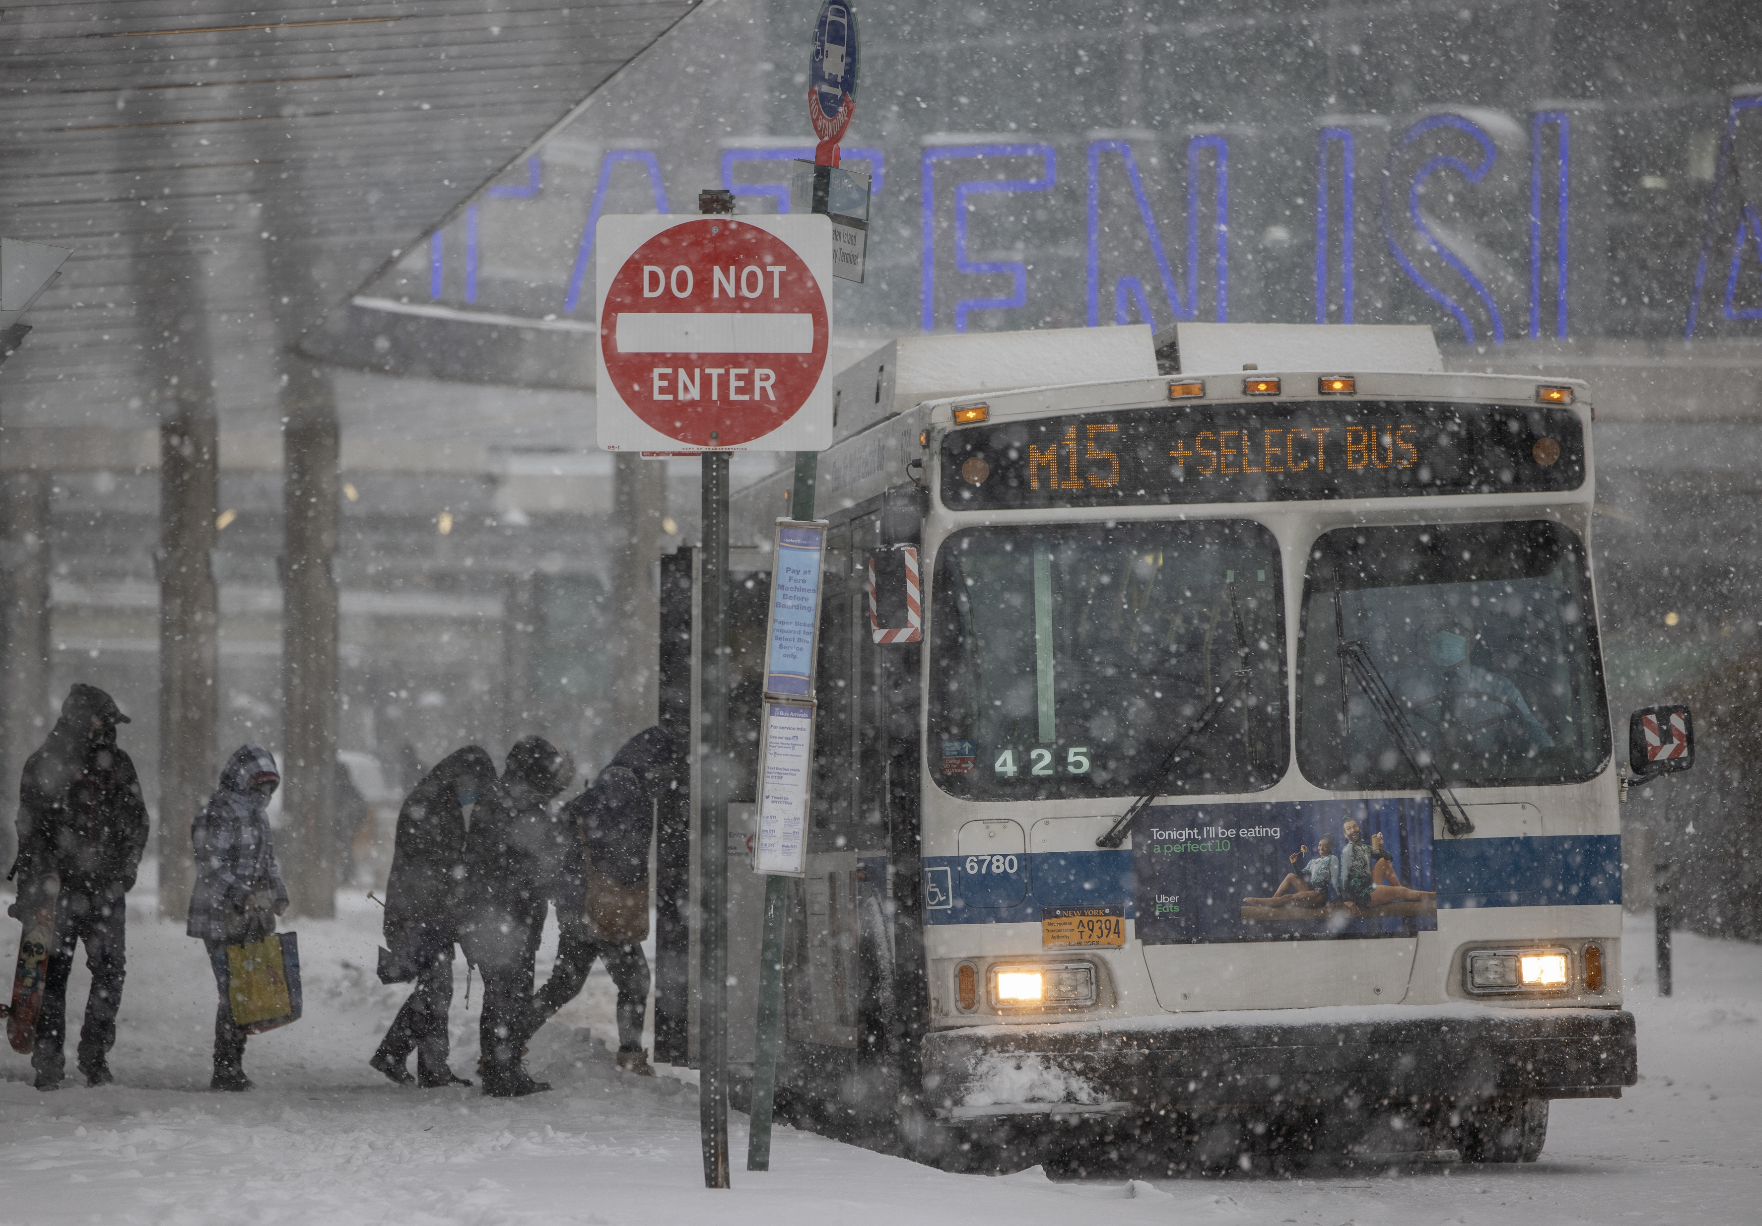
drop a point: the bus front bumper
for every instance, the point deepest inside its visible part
(1456, 1054)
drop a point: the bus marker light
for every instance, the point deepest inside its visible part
(1544, 970)
(1338, 385)
(966, 984)
(1184, 391)
(1554, 395)
(969, 414)
(1260, 387)
(1593, 968)
(1020, 987)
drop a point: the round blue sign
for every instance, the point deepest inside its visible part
(833, 73)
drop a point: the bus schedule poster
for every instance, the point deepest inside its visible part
(793, 626)
(1289, 870)
(787, 770)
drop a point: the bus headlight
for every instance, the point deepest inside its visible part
(1062, 985)
(1518, 971)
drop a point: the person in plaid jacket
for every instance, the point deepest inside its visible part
(239, 891)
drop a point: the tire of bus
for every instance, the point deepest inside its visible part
(1502, 1130)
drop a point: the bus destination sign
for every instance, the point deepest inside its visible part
(1277, 452)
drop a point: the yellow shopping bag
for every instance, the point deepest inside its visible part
(264, 982)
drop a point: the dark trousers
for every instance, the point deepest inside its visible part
(96, 919)
(576, 952)
(504, 944)
(229, 1040)
(422, 1023)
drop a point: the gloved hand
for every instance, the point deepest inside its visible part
(281, 906)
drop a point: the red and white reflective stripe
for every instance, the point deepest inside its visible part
(1657, 749)
(913, 630)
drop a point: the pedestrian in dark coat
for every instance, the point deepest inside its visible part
(81, 829)
(602, 899)
(421, 901)
(511, 854)
(239, 891)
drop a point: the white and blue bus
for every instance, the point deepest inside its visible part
(1251, 781)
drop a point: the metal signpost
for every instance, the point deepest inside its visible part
(713, 337)
(842, 197)
(786, 771)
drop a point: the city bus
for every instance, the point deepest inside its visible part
(1246, 782)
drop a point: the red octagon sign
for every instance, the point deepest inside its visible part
(714, 332)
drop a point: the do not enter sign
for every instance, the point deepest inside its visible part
(714, 333)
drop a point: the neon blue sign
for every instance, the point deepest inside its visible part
(1130, 289)
(1474, 174)
(1563, 160)
(975, 187)
(1746, 223)
(641, 157)
(1348, 178)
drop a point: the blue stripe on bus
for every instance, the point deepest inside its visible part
(1537, 871)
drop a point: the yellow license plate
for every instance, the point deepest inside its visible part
(1065, 927)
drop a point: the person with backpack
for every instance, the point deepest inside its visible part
(511, 853)
(238, 892)
(82, 827)
(421, 913)
(602, 897)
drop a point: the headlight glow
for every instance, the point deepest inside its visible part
(1020, 985)
(1544, 970)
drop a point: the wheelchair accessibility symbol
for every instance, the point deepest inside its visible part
(938, 888)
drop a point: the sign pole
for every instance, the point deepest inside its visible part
(770, 1019)
(713, 816)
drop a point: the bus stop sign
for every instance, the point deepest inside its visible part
(714, 333)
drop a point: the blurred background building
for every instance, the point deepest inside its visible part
(301, 449)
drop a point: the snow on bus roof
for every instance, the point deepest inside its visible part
(1348, 348)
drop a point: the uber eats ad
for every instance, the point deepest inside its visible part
(1284, 870)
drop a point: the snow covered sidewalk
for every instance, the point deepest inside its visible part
(325, 1139)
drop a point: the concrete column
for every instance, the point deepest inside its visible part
(189, 641)
(26, 706)
(309, 640)
(639, 502)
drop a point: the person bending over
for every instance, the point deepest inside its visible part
(421, 912)
(602, 898)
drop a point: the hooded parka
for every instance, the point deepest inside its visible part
(428, 856)
(80, 813)
(82, 827)
(512, 854)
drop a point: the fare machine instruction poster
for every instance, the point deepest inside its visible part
(787, 754)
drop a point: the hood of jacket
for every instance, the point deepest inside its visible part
(249, 764)
(649, 755)
(539, 766)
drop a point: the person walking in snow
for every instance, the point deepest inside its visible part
(510, 853)
(602, 896)
(82, 827)
(239, 891)
(421, 912)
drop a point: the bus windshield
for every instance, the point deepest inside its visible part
(1483, 632)
(1068, 659)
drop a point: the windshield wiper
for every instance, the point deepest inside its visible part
(1355, 660)
(1116, 833)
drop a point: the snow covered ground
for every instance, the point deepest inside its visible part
(324, 1139)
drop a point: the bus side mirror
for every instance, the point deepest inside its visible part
(1660, 741)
